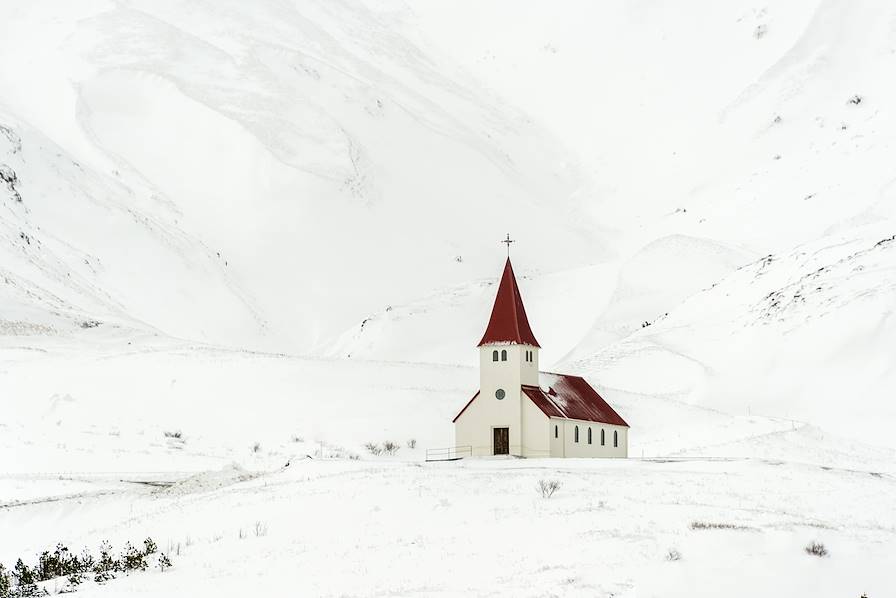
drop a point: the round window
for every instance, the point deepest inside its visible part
(499, 394)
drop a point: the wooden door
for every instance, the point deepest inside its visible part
(502, 441)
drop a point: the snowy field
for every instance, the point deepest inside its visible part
(337, 521)
(399, 528)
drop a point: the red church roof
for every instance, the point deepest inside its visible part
(508, 323)
(571, 397)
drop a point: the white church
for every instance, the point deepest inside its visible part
(521, 411)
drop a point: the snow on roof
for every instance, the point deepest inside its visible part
(508, 322)
(571, 397)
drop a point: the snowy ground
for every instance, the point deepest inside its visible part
(398, 528)
(338, 521)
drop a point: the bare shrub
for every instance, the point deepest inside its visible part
(548, 487)
(175, 434)
(390, 447)
(673, 555)
(298, 439)
(261, 529)
(256, 448)
(412, 443)
(373, 448)
(816, 549)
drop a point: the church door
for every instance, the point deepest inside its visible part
(502, 441)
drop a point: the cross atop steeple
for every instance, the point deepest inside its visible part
(507, 242)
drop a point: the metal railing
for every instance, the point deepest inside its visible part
(451, 453)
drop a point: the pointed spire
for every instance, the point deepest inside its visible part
(508, 323)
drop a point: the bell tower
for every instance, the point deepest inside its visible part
(508, 359)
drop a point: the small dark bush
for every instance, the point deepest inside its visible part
(25, 581)
(390, 447)
(164, 561)
(673, 555)
(412, 443)
(105, 566)
(5, 583)
(132, 559)
(176, 434)
(816, 549)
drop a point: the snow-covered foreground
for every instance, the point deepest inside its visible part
(398, 528)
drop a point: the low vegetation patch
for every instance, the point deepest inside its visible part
(816, 549)
(24, 581)
(388, 447)
(700, 525)
(673, 555)
(374, 449)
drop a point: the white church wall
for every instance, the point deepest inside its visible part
(475, 426)
(557, 433)
(536, 430)
(566, 445)
(507, 376)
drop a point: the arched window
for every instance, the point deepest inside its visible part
(577, 433)
(495, 355)
(555, 431)
(503, 354)
(602, 440)
(615, 438)
(589, 435)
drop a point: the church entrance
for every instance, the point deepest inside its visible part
(502, 441)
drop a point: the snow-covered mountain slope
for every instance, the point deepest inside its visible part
(806, 334)
(311, 156)
(310, 151)
(738, 121)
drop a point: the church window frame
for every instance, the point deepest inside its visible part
(616, 438)
(503, 354)
(577, 434)
(603, 439)
(556, 431)
(589, 434)
(495, 355)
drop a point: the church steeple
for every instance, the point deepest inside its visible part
(508, 322)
